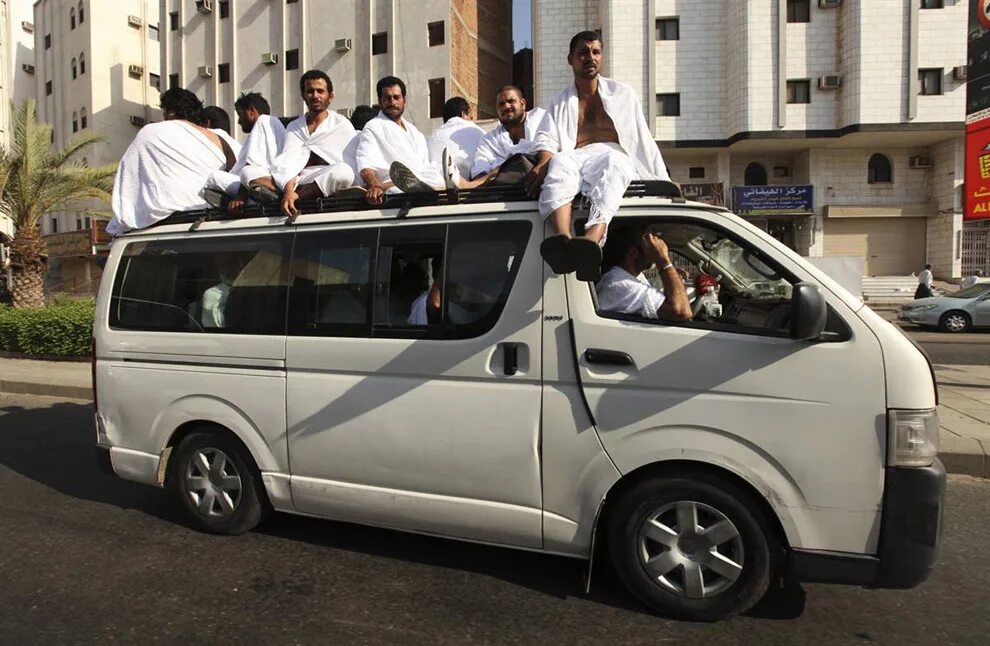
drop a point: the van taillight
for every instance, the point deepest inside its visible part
(92, 366)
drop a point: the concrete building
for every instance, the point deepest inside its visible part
(440, 48)
(863, 102)
(96, 69)
(16, 72)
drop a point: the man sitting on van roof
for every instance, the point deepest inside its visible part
(167, 165)
(458, 135)
(512, 141)
(313, 162)
(631, 250)
(265, 138)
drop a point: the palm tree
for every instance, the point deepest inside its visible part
(36, 179)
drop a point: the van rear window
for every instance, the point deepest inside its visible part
(231, 285)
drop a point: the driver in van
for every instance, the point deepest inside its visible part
(631, 250)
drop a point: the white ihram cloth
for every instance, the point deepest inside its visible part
(255, 158)
(382, 141)
(328, 142)
(461, 138)
(497, 145)
(163, 170)
(621, 292)
(558, 134)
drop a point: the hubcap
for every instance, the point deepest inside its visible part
(212, 483)
(691, 549)
(955, 322)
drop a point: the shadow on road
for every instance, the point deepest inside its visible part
(53, 446)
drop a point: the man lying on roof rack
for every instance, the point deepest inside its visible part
(594, 141)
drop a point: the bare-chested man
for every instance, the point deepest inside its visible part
(594, 141)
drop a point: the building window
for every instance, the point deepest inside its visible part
(48, 88)
(930, 81)
(75, 123)
(48, 41)
(879, 170)
(224, 9)
(223, 72)
(82, 13)
(438, 89)
(292, 59)
(668, 29)
(82, 64)
(173, 21)
(173, 81)
(932, 4)
(436, 33)
(291, 1)
(153, 32)
(82, 118)
(755, 175)
(799, 91)
(696, 172)
(74, 69)
(379, 43)
(72, 18)
(155, 81)
(798, 10)
(54, 222)
(669, 105)
(79, 221)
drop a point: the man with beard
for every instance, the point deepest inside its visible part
(458, 135)
(265, 138)
(505, 154)
(594, 141)
(312, 163)
(391, 152)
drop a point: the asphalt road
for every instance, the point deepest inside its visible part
(87, 558)
(972, 348)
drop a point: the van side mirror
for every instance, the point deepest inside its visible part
(808, 312)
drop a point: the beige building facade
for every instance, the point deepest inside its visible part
(96, 70)
(859, 105)
(16, 72)
(440, 48)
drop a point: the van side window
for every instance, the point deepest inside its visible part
(732, 286)
(331, 291)
(215, 285)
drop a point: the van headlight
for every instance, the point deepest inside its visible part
(912, 437)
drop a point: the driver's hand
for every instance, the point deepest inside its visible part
(656, 248)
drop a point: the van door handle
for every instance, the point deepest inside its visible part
(510, 358)
(608, 357)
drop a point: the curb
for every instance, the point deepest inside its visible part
(46, 390)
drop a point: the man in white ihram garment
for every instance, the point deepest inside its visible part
(514, 135)
(594, 141)
(313, 162)
(458, 135)
(167, 165)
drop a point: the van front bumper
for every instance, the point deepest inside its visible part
(910, 536)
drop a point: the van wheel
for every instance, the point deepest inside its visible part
(691, 546)
(216, 483)
(954, 321)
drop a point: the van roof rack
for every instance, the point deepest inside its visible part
(403, 201)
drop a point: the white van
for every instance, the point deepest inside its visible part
(420, 368)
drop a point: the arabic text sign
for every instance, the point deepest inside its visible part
(71, 243)
(705, 192)
(977, 182)
(771, 200)
(977, 185)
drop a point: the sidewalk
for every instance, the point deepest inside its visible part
(964, 403)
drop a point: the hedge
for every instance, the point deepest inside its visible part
(62, 329)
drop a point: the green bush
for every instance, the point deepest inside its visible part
(61, 329)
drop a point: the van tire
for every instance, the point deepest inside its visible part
(713, 500)
(246, 502)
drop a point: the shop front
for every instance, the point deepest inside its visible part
(785, 212)
(74, 259)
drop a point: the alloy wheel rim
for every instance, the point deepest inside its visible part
(691, 549)
(213, 484)
(955, 322)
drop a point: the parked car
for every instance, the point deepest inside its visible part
(254, 364)
(960, 311)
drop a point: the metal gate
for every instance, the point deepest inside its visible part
(976, 247)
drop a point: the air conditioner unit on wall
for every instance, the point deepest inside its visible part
(269, 58)
(133, 21)
(27, 26)
(919, 161)
(830, 82)
(135, 70)
(204, 6)
(27, 67)
(829, 4)
(346, 112)
(959, 72)
(205, 71)
(342, 45)
(137, 121)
